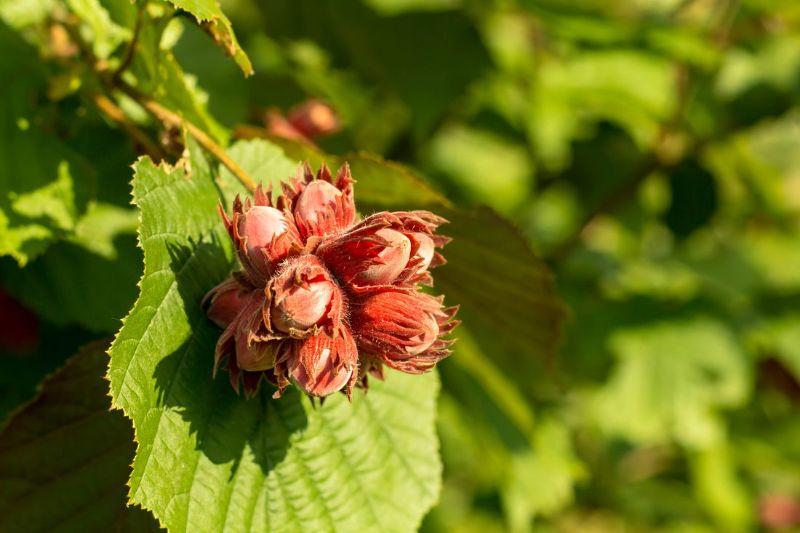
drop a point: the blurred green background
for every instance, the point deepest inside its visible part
(650, 152)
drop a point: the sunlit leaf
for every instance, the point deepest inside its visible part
(209, 459)
(44, 186)
(101, 31)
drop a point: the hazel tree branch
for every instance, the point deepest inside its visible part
(111, 110)
(111, 82)
(131, 51)
(171, 118)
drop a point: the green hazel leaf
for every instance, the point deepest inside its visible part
(671, 381)
(505, 291)
(44, 185)
(210, 460)
(630, 88)
(467, 155)
(64, 457)
(264, 162)
(210, 16)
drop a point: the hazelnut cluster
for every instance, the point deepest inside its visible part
(323, 300)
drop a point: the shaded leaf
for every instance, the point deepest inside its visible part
(781, 336)
(360, 37)
(89, 277)
(694, 198)
(24, 369)
(64, 458)
(69, 284)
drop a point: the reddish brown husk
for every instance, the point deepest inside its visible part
(403, 329)
(306, 122)
(223, 302)
(321, 364)
(303, 296)
(323, 299)
(367, 257)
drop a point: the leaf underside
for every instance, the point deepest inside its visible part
(64, 457)
(506, 293)
(209, 13)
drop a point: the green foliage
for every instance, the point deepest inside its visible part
(43, 192)
(647, 151)
(670, 380)
(104, 34)
(64, 457)
(24, 371)
(265, 161)
(551, 458)
(62, 285)
(158, 73)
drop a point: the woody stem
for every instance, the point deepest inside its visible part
(171, 118)
(112, 81)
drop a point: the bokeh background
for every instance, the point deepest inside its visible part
(649, 150)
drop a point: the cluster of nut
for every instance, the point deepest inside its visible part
(323, 300)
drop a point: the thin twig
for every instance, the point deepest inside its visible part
(171, 118)
(167, 116)
(129, 53)
(113, 112)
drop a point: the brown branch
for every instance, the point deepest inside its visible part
(114, 113)
(111, 82)
(129, 53)
(173, 119)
